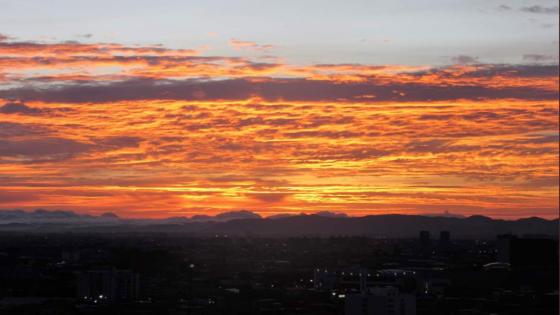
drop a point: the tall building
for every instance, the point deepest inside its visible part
(503, 245)
(444, 237)
(527, 252)
(424, 238)
(111, 285)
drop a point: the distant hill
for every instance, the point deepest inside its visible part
(246, 223)
(393, 226)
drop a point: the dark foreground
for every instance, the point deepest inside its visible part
(63, 273)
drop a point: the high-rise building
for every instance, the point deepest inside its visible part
(111, 285)
(527, 252)
(444, 237)
(425, 238)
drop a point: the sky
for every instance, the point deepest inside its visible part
(177, 108)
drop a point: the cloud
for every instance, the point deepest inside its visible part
(432, 145)
(548, 25)
(75, 63)
(269, 197)
(7, 196)
(442, 117)
(404, 88)
(537, 9)
(59, 148)
(539, 58)
(482, 115)
(464, 60)
(18, 108)
(73, 48)
(119, 142)
(323, 134)
(491, 72)
(539, 139)
(13, 129)
(169, 131)
(48, 148)
(240, 44)
(504, 7)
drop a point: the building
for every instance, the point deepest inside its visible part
(503, 247)
(353, 277)
(444, 237)
(424, 237)
(103, 286)
(425, 242)
(380, 301)
(527, 252)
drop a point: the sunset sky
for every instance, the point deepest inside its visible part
(171, 108)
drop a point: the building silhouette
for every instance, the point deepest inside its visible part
(106, 286)
(444, 237)
(527, 252)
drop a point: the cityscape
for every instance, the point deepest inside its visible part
(149, 271)
(294, 157)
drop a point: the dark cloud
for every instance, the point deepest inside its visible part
(7, 196)
(482, 115)
(269, 197)
(504, 7)
(323, 134)
(442, 117)
(18, 108)
(539, 58)
(542, 181)
(540, 9)
(541, 139)
(120, 142)
(44, 147)
(464, 60)
(54, 148)
(433, 145)
(296, 89)
(500, 70)
(327, 120)
(11, 129)
(349, 154)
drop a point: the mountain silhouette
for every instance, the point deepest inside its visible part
(244, 223)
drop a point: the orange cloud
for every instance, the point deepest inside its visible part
(151, 131)
(241, 44)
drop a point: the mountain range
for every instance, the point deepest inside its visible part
(247, 223)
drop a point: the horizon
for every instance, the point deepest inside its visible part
(260, 215)
(155, 111)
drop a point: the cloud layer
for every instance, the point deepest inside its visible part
(158, 132)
